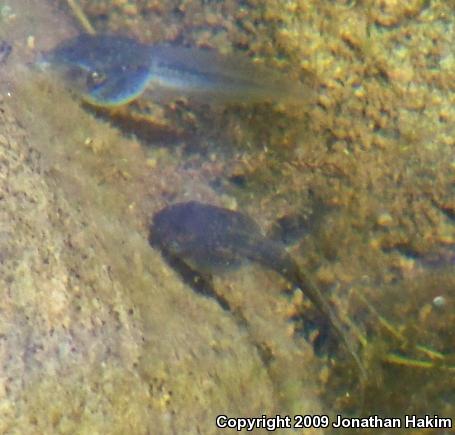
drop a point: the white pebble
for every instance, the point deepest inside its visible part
(439, 301)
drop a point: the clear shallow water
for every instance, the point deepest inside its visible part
(366, 172)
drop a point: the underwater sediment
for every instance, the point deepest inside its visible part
(97, 325)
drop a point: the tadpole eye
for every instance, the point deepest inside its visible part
(95, 78)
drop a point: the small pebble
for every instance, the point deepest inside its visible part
(385, 220)
(31, 42)
(439, 302)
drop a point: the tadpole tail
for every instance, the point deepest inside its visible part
(273, 255)
(314, 294)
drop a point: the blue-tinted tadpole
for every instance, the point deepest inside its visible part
(112, 70)
(104, 70)
(210, 239)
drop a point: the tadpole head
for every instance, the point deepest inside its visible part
(104, 70)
